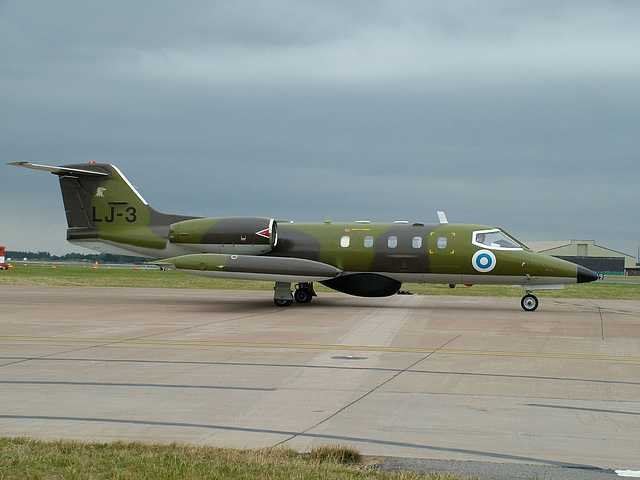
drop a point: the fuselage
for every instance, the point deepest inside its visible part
(405, 252)
(423, 253)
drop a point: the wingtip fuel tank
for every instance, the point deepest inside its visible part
(252, 267)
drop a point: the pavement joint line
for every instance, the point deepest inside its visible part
(377, 387)
(435, 351)
(594, 308)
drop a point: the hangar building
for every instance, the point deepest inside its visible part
(588, 254)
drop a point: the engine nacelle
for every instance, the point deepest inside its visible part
(233, 235)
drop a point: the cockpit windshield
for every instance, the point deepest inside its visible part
(495, 239)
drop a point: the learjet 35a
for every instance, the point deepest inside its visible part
(106, 213)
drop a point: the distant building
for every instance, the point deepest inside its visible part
(588, 254)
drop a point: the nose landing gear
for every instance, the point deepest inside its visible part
(529, 302)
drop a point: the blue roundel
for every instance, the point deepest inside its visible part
(483, 261)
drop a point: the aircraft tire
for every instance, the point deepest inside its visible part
(529, 302)
(282, 303)
(303, 295)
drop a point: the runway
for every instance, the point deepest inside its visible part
(434, 377)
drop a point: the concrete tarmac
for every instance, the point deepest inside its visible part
(435, 377)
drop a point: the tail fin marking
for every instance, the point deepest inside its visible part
(103, 207)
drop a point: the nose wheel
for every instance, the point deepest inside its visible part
(529, 302)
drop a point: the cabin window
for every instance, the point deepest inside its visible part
(392, 242)
(345, 241)
(442, 242)
(368, 241)
(416, 242)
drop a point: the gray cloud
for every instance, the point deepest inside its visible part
(519, 114)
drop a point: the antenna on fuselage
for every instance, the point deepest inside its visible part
(442, 218)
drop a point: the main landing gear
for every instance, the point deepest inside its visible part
(529, 302)
(283, 297)
(304, 292)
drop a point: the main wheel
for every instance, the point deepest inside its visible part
(529, 302)
(303, 295)
(282, 303)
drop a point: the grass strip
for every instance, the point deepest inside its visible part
(23, 458)
(87, 276)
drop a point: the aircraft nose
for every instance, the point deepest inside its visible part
(585, 275)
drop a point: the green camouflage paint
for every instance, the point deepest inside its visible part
(362, 258)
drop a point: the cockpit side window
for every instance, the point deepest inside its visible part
(495, 239)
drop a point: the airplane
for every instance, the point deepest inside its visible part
(107, 214)
(3, 266)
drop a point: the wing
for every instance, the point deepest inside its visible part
(250, 267)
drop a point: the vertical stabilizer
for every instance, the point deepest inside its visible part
(106, 213)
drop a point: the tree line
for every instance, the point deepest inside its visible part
(16, 255)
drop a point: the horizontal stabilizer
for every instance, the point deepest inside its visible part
(59, 170)
(251, 267)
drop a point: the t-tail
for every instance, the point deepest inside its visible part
(107, 214)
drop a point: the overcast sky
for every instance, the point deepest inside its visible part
(522, 115)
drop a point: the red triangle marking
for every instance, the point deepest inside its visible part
(263, 233)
